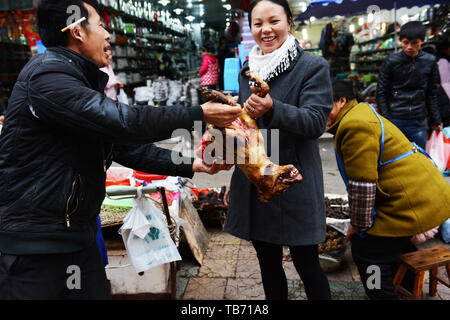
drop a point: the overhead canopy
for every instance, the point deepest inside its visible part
(330, 8)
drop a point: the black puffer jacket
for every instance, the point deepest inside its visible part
(60, 135)
(407, 88)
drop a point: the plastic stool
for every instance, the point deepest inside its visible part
(419, 262)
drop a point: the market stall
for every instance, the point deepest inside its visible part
(129, 277)
(371, 25)
(155, 44)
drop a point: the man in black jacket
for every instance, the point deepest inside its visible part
(406, 90)
(61, 134)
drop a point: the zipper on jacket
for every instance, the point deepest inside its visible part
(72, 194)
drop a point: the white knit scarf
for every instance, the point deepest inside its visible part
(271, 65)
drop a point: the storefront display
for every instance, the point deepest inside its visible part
(147, 42)
(17, 36)
(374, 34)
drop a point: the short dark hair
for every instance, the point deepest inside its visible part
(282, 3)
(412, 30)
(52, 16)
(343, 89)
(208, 48)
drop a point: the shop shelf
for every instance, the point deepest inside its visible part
(373, 51)
(387, 36)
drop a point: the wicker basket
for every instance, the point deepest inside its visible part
(113, 216)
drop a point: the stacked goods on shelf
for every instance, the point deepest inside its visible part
(375, 47)
(146, 43)
(167, 92)
(14, 49)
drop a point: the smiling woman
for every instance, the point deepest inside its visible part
(295, 111)
(270, 24)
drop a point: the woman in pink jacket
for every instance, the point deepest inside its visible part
(209, 72)
(113, 83)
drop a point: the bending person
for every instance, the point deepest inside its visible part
(396, 194)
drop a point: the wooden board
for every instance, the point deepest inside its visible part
(196, 235)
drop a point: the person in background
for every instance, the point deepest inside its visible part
(391, 210)
(209, 71)
(62, 135)
(223, 53)
(113, 84)
(296, 109)
(443, 92)
(111, 89)
(407, 83)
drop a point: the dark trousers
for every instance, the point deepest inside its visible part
(306, 262)
(414, 130)
(371, 253)
(79, 275)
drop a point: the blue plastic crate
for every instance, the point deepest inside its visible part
(231, 74)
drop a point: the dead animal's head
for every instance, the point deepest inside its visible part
(284, 177)
(287, 176)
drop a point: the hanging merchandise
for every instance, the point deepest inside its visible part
(146, 236)
(438, 147)
(31, 33)
(155, 16)
(122, 97)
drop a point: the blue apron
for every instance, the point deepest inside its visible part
(343, 173)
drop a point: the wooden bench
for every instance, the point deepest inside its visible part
(419, 262)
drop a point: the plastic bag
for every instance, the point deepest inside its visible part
(445, 231)
(122, 97)
(146, 237)
(422, 237)
(447, 138)
(438, 148)
(122, 176)
(340, 225)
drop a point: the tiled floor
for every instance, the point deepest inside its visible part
(230, 271)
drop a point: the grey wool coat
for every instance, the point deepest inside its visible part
(302, 101)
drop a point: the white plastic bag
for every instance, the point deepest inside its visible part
(146, 237)
(340, 225)
(122, 97)
(422, 237)
(437, 149)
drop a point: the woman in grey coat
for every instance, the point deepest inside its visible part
(297, 106)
